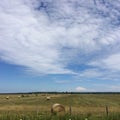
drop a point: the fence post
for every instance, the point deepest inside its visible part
(107, 112)
(70, 110)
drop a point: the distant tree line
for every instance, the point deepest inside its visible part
(54, 92)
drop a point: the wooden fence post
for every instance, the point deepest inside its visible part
(107, 111)
(70, 110)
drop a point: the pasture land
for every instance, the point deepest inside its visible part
(36, 107)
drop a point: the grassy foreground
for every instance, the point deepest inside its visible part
(49, 117)
(83, 107)
(33, 116)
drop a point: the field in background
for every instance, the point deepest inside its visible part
(81, 105)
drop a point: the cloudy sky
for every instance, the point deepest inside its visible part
(59, 45)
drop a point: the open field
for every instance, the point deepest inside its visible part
(82, 105)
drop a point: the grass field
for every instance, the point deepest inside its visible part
(83, 106)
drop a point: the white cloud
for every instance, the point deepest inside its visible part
(28, 41)
(112, 62)
(107, 67)
(47, 39)
(80, 89)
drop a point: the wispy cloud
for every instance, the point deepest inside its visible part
(111, 62)
(49, 36)
(107, 87)
(62, 81)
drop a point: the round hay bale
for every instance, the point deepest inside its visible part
(7, 97)
(57, 109)
(48, 98)
(19, 96)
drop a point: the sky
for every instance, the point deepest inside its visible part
(59, 45)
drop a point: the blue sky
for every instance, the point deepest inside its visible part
(59, 45)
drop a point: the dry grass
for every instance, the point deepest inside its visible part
(80, 103)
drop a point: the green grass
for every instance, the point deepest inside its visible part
(33, 116)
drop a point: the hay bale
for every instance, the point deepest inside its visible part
(19, 96)
(48, 98)
(58, 109)
(7, 97)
